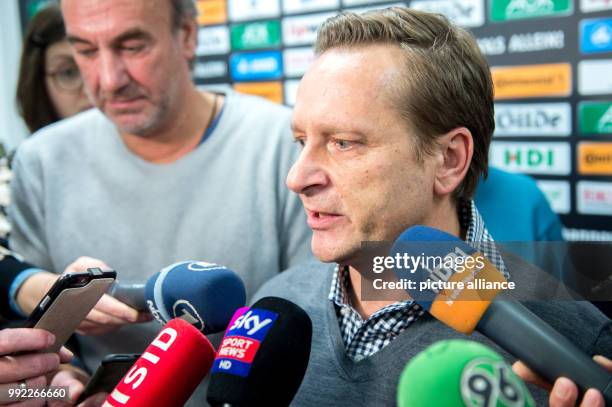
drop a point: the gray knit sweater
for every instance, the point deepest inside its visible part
(332, 379)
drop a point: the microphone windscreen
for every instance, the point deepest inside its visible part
(203, 294)
(449, 276)
(458, 373)
(263, 356)
(168, 371)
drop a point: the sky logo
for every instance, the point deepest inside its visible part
(596, 35)
(242, 341)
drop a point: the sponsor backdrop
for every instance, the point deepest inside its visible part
(552, 68)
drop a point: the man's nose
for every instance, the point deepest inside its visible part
(307, 172)
(113, 73)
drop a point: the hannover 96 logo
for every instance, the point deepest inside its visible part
(487, 382)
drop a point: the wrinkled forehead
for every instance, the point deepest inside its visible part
(109, 18)
(349, 83)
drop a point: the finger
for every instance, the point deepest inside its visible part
(530, 376)
(24, 339)
(94, 401)
(59, 403)
(65, 378)
(65, 355)
(85, 262)
(14, 368)
(116, 308)
(98, 330)
(592, 398)
(89, 328)
(604, 361)
(564, 393)
(98, 317)
(144, 316)
(33, 383)
(28, 403)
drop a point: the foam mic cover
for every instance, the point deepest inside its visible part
(460, 309)
(460, 373)
(168, 371)
(263, 356)
(203, 294)
(505, 321)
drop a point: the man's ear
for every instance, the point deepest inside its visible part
(456, 149)
(188, 38)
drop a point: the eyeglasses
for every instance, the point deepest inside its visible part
(67, 78)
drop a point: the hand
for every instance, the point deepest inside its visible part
(564, 392)
(83, 263)
(109, 313)
(75, 380)
(30, 368)
(36, 286)
(34, 289)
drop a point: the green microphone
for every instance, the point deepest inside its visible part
(460, 373)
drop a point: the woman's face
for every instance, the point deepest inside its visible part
(63, 81)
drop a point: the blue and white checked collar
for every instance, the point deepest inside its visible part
(364, 338)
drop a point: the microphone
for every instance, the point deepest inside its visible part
(131, 294)
(263, 356)
(203, 294)
(460, 373)
(506, 322)
(168, 371)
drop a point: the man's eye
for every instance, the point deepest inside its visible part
(86, 52)
(133, 48)
(343, 144)
(299, 141)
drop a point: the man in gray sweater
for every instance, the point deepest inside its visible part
(159, 172)
(395, 117)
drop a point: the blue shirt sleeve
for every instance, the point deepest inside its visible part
(16, 284)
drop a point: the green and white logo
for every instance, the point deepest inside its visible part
(503, 10)
(486, 382)
(595, 117)
(546, 158)
(264, 34)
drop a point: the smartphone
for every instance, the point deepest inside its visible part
(68, 302)
(110, 372)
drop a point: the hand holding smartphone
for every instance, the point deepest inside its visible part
(68, 302)
(112, 369)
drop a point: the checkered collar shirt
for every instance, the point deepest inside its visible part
(365, 338)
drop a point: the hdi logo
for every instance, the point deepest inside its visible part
(532, 157)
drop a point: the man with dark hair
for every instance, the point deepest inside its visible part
(395, 117)
(159, 172)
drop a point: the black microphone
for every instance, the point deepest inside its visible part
(464, 297)
(130, 293)
(263, 356)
